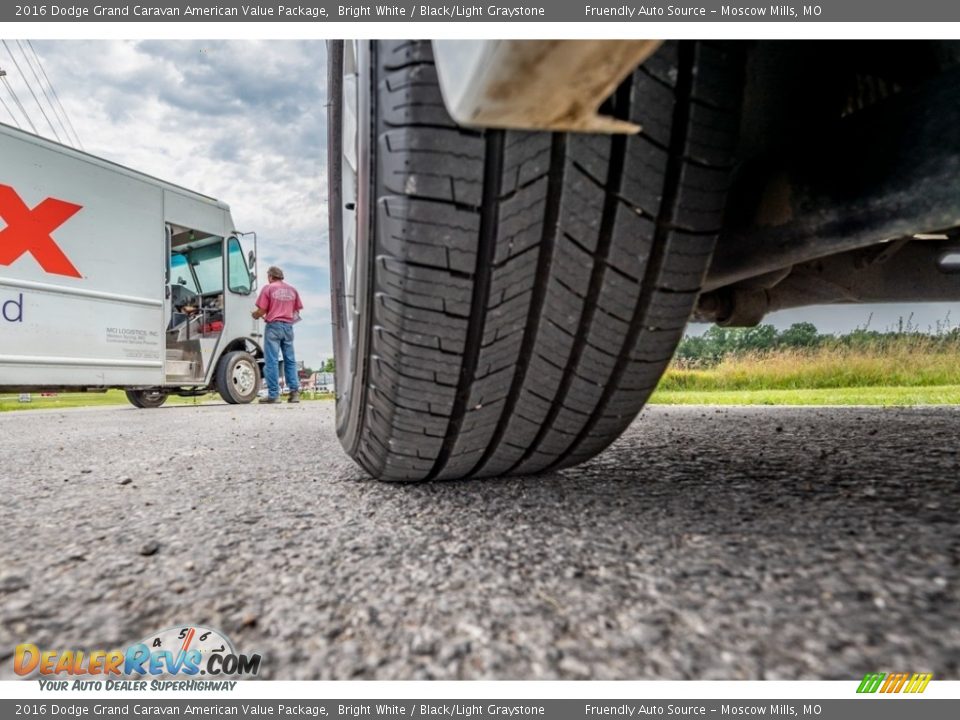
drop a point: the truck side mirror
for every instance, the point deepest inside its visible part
(251, 258)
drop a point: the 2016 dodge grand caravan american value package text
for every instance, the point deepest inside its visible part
(520, 230)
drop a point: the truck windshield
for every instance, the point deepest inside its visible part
(207, 262)
(180, 272)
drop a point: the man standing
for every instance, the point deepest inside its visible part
(280, 304)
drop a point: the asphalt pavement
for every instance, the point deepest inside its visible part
(707, 543)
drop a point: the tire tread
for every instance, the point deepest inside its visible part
(530, 288)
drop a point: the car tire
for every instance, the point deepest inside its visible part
(238, 377)
(505, 302)
(144, 399)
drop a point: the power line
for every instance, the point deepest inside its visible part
(66, 116)
(36, 77)
(7, 107)
(53, 109)
(63, 110)
(22, 75)
(19, 104)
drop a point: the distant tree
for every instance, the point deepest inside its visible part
(692, 349)
(863, 338)
(719, 342)
(758, 338)
(800, 335)
(330, 366)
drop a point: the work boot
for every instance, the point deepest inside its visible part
(268, 400)
(294, 396)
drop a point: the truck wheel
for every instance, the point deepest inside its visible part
(146, 398)
(238, 377)
(505, 302)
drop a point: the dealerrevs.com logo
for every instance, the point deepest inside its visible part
(178, 652)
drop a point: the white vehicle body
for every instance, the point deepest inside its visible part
(91, 254)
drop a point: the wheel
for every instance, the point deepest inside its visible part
(505, 302)
(238, 377)
(146, 398)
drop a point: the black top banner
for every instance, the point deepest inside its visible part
(325, 11)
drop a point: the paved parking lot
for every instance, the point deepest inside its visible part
(725, 543)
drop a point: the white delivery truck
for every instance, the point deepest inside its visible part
(110, 278)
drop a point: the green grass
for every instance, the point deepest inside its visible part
(110, 397)
(62, 400)
(915, 371)
(899, 366)
(886, 396)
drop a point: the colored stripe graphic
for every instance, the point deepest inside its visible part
(894, 682)
(870, 683)
(918, 683)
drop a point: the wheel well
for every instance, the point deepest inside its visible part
(243, 345)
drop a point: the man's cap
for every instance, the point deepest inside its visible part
(275, 272)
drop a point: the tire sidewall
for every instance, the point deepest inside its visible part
(351, 352)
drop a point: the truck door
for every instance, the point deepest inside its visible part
(239, 301)
(195, 305)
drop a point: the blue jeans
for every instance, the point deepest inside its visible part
(278, 338)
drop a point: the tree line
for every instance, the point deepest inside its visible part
(718, 343)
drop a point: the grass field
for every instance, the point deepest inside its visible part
(911, 372)
(110, 397)
(822, 368)
(888, 396)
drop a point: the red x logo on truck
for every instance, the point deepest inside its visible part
(28, 231)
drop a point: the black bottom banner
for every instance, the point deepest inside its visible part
(867, 708)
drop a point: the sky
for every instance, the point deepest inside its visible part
(244, 122)
(241, 121)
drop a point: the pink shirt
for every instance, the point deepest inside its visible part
(280, 301)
